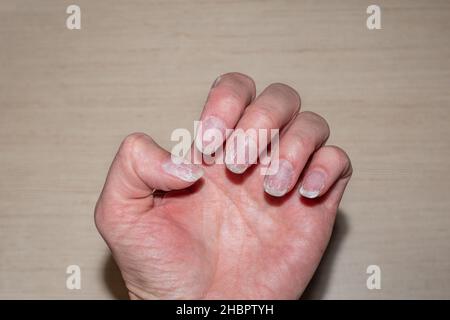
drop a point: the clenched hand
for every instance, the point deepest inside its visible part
(225, 231)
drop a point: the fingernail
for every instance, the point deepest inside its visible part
(312, 184)
(231, 161)
(236, 168)
(279, 183)
(213, 132)
(240, 157)
(185, 171)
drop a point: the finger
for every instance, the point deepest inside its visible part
(329, 166)
(306, 133)
(141, 166)
(230, 94)
(272, 109)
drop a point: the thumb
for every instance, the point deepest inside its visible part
(141, 166)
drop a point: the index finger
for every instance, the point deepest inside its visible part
(230, 94)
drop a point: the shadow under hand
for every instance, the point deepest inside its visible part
(113, 279)
(319, 284)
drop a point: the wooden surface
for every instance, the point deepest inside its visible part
(67, 98)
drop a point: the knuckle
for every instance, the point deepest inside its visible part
(133, 143)
(339, 153)
(342, 158)
(235, 91)
(225, 98)
(265, 115)
(239, 78)
(317, 119)
(287, 90)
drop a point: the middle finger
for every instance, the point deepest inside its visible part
(272, 109)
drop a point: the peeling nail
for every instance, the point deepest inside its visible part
(279, 183)
(213, 131)
(185, 171)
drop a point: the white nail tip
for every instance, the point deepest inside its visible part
(308, 194)
(274, 192)
(236, 169)
(183, 171)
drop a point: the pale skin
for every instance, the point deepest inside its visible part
(219, 233)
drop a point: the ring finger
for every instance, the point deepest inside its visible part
(307, 132)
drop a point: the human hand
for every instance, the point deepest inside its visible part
(216, 234)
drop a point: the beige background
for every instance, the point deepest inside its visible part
(67, 98)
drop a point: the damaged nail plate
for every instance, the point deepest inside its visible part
(279, 183)
(185, 171)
